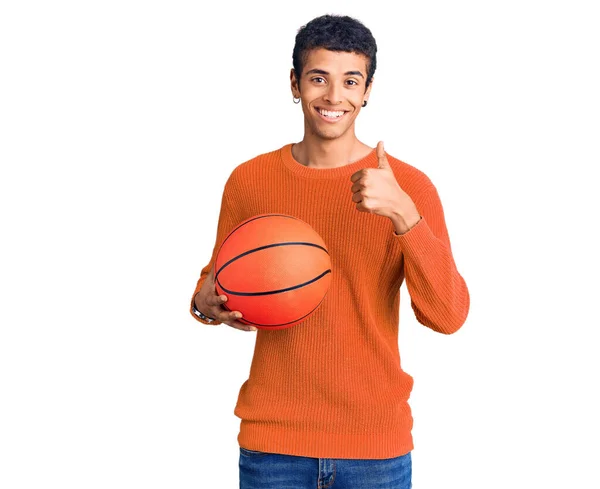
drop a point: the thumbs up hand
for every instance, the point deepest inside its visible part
(376, 190)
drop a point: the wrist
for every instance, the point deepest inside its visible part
(403, 224)
(198, 313)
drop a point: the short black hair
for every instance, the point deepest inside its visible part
(335, 33)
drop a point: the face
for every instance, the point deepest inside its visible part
(332, 91)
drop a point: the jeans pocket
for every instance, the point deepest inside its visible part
(252, 453)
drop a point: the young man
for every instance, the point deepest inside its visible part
(326, 401)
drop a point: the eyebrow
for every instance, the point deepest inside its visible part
(323, 72)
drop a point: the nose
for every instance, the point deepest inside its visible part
(333, 95)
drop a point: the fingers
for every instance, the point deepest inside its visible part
(216, 300)
(212, 304)
(381, 157)
(223, 312)
(230, 317)
(240, 326)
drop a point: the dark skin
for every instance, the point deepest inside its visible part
(211, 304)
(334, 82)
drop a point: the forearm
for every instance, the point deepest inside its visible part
(439, 294)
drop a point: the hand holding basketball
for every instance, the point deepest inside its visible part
(210, 303)
(275, 269)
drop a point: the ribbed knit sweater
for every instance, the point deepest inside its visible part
(332, 386)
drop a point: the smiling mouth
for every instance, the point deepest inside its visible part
(331, 115)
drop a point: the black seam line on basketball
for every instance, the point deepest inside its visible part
(265, 247)
(269, 292)
(244, 320)
(254, 219)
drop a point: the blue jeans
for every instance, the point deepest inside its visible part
(261, 470)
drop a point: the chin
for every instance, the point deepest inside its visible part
(328, 134)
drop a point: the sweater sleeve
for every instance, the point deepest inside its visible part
(439, 295)
(228, 219)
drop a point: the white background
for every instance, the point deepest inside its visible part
(120, 122)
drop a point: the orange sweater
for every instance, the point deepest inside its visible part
(333, 386)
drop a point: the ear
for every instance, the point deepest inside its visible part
(294, 83)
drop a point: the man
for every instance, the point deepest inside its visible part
(326, 401)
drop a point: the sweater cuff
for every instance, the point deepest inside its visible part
(419, 241)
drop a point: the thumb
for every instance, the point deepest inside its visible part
(383, 161)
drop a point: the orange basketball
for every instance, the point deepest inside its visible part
(275, 269)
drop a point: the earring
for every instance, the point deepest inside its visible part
(296, 101)
(364, 103)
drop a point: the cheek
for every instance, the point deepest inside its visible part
(358, 100)
(311, 93)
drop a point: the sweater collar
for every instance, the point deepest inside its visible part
(369, 161)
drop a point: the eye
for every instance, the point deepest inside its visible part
(353, 82)
(317, 78)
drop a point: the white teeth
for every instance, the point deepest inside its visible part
(328, 113)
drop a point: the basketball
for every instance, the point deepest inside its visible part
(275, 269)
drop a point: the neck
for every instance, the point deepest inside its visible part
(316, 152)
